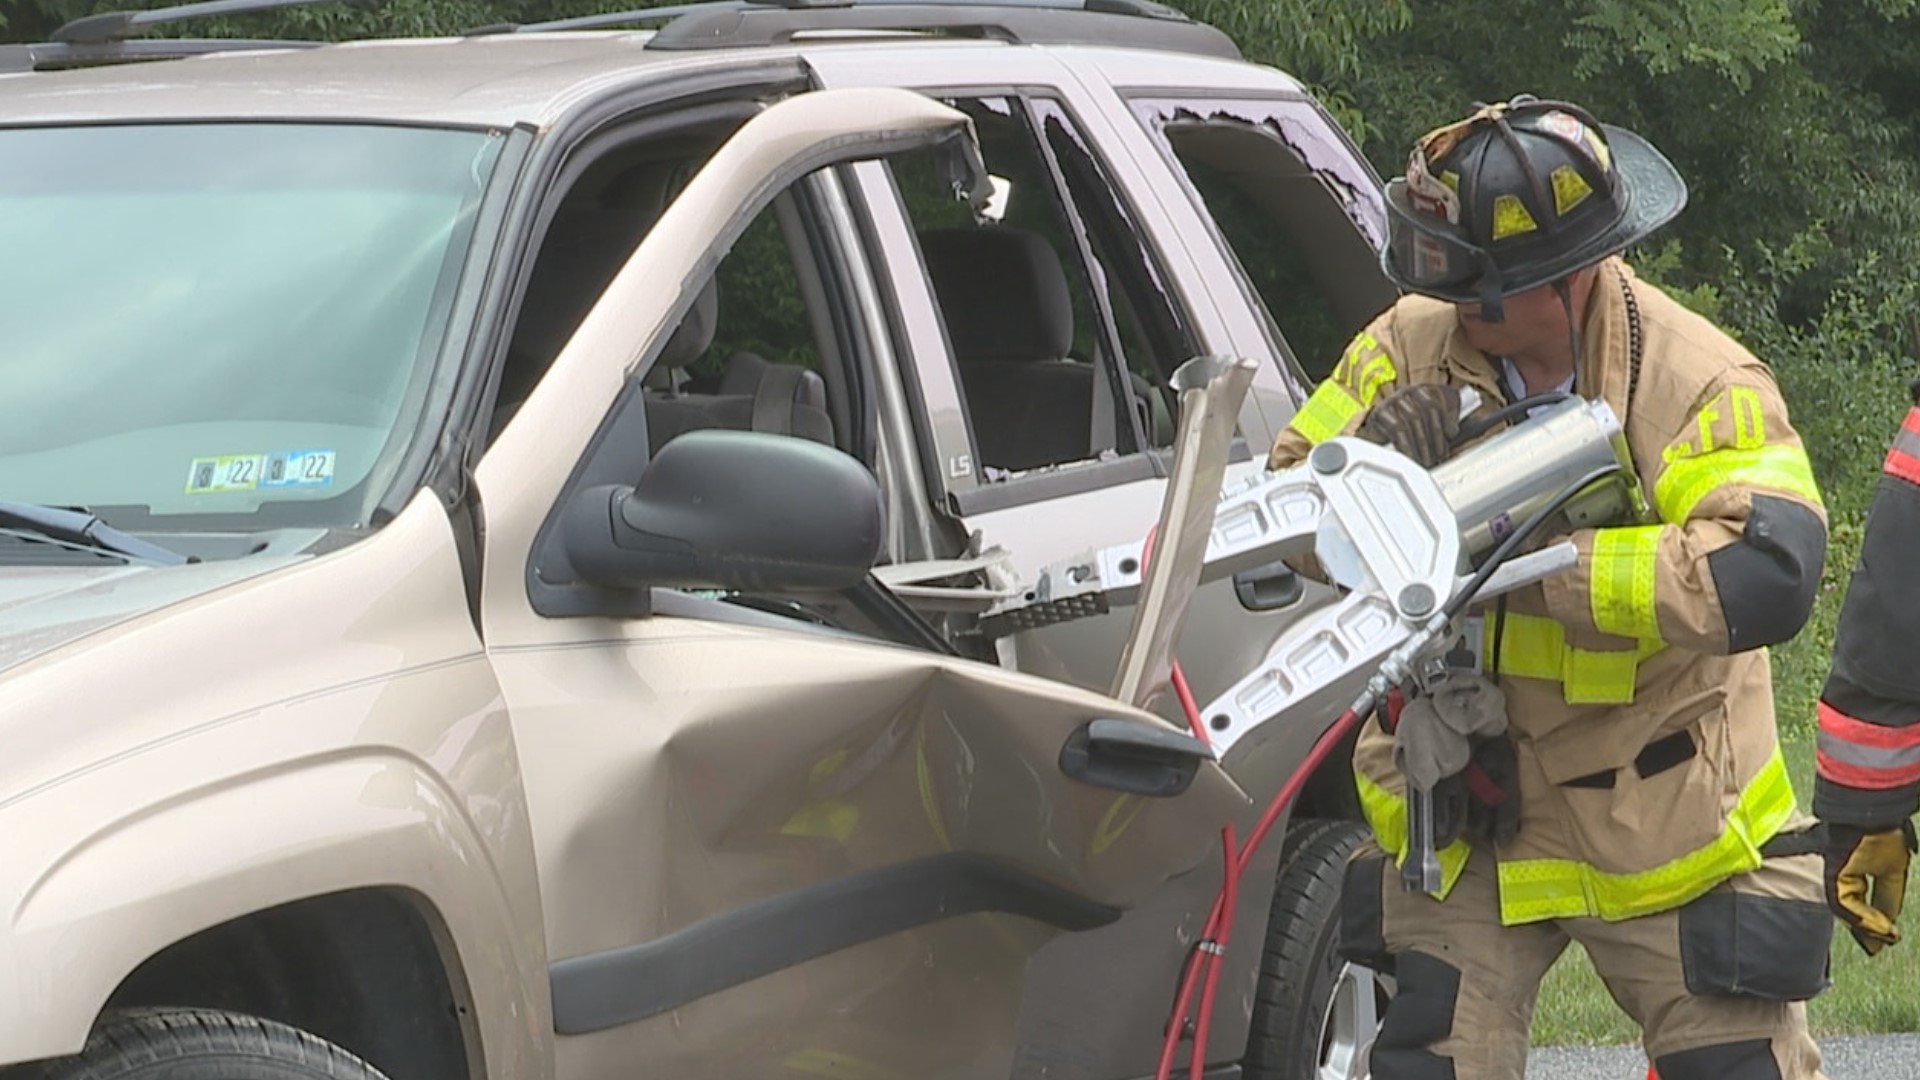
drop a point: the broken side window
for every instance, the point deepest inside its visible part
(1063, 330)
(1294, 203)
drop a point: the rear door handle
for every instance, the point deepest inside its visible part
(1268, 588)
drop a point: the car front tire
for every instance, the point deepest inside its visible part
(199, 1044)
(1314, 1014)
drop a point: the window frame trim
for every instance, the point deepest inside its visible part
(1106, 323)
(566, 596)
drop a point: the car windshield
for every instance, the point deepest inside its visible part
(224, 326)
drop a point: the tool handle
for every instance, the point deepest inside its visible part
(1421, 870)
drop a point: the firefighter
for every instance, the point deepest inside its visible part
(1635, 799)
(1868, 781)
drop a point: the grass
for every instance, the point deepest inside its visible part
(1870, 995)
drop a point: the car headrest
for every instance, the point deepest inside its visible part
(1003, 292)
(695, 332)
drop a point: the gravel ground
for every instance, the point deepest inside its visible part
(1870, 1057)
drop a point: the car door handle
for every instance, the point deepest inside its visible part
(1133, 756)
(1268, 588)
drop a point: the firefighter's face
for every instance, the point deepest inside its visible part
(1534, 320)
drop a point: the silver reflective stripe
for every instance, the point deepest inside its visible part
(1868, 757)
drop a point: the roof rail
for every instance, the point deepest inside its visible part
(112, 26)
(608, 20)
(109, 37)
(60, 55)
(720, 24)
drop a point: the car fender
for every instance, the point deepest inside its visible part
(157, 875)
(328, 726)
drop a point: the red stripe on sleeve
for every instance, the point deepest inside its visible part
(1912, 422)
(1858, 776)
(1903, 465)
(1860, 733)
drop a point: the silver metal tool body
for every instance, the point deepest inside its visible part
(1396, 540)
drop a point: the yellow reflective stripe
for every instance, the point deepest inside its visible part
(1364, 368)
(1356, 381)
(1690, 479)
(1600, 678)
(1325, 413)
(1530, 647)
(1622, 590)
(1386, 814)
(1535, 647)
(1377, 373)
(1536, 889)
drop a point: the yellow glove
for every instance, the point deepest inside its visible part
(1867, 880)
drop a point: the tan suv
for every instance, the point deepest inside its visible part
(498, 531)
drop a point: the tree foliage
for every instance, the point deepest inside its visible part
(1796, 123)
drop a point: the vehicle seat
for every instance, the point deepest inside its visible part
(1009, 317)
(753, 394)
(787, 398)
(584, 248)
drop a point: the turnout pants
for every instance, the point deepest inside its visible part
(1717, 986)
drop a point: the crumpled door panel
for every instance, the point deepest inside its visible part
(777, 850)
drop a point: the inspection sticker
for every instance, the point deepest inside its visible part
(298, 468)
(232, 472)
(248, 472)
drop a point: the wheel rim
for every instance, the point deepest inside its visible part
(1351, 1021)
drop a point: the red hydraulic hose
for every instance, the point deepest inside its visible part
(1204, 962)
(1322, 747)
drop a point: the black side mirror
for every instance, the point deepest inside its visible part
(731, 510)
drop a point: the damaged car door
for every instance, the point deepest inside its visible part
(769, 844)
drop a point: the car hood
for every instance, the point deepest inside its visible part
(43, 608)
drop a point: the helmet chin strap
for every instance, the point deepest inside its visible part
(1565, 293)
(1492, 289)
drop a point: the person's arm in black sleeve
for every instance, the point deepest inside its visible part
(1868, 782)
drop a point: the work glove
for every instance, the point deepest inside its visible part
(1867, 880)
(1492, 779)
(1420, 421)
(1431, 740)
(1482, 800)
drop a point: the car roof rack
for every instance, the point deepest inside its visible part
(60, 56)
(722, 24)
(108, 37)
(613, 20)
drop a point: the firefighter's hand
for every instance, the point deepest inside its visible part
(1482, 800)
(1419, 421)
(1867, 880)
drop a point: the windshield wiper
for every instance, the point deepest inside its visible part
(81, 527)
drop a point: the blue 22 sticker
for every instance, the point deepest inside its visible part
(298, 468)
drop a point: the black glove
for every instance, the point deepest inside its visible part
(1867, 880)
(1420, 421)
(1482, 800)
(1493, 777)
